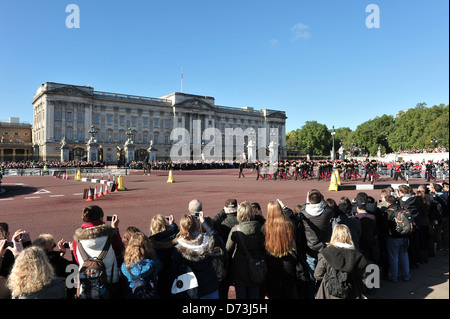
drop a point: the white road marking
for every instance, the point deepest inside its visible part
(42, 191)
(32, 197)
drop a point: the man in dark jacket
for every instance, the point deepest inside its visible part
(345, 217)
(226, 219)
(409, 202)
(316, 217)
(396, 244)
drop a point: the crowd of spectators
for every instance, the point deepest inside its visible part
(189, 165)
(49, 164)
(201, 256)
(441, 149)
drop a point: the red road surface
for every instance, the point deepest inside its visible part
(44, 204)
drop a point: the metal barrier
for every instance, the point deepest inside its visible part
(89, 171)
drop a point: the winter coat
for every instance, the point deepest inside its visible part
(196, 254)
(163, 244)
(254, 241)
(316, 220)
(352, 223)
(93, 240)
(341, 257)
(224, 221)
(144, 268)
(55, 290)
(413, 204)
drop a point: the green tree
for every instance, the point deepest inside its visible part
(292, 140)
(414, 128)
(315, 138)
(344, 135)
(438, 129)
(375, 133)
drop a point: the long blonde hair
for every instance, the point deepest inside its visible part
(31, 272)
(188, 225)
(279, 231)
(341, 234)
(139, 247)
(158, 224)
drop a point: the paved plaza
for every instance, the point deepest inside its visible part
(45, 204)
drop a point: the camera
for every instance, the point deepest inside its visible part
(9, 244)
(66, 245)
(109, 218)
(197, 214)
(168, 217)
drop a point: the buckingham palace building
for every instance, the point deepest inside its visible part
(67, 118)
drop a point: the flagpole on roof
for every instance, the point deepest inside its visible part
(181, 79)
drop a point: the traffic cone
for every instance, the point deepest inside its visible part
(120, 186)
(95, 192)
(101, 191)
(170, 179)
(106, 189)
(338, 177)
(78, 176)
(333, 183)
(89, 199)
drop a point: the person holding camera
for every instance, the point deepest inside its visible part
(192, 256)
(92, 235)
(163, 236)
(250, 233)
(10, 248)
(56, 257)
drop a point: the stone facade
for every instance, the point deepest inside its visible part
(15, 141)
(70, 111)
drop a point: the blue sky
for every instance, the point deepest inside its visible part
(316, 60)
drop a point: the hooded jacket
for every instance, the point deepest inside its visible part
(413, 204)
(254, 242)
(164, 243)
(196, 254)
(316, 220)
(144, 268)
(93, 240)
(224, 221)
(341, 257)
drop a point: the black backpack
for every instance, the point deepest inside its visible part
(339, 284)
(439, 208)
(143, 288)
(93, 280)
(404, 223)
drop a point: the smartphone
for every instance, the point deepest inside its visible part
(109, 218)
(66, 245)
(197, 214)
(168, 217)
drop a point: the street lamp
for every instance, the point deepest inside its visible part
(333, 133)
